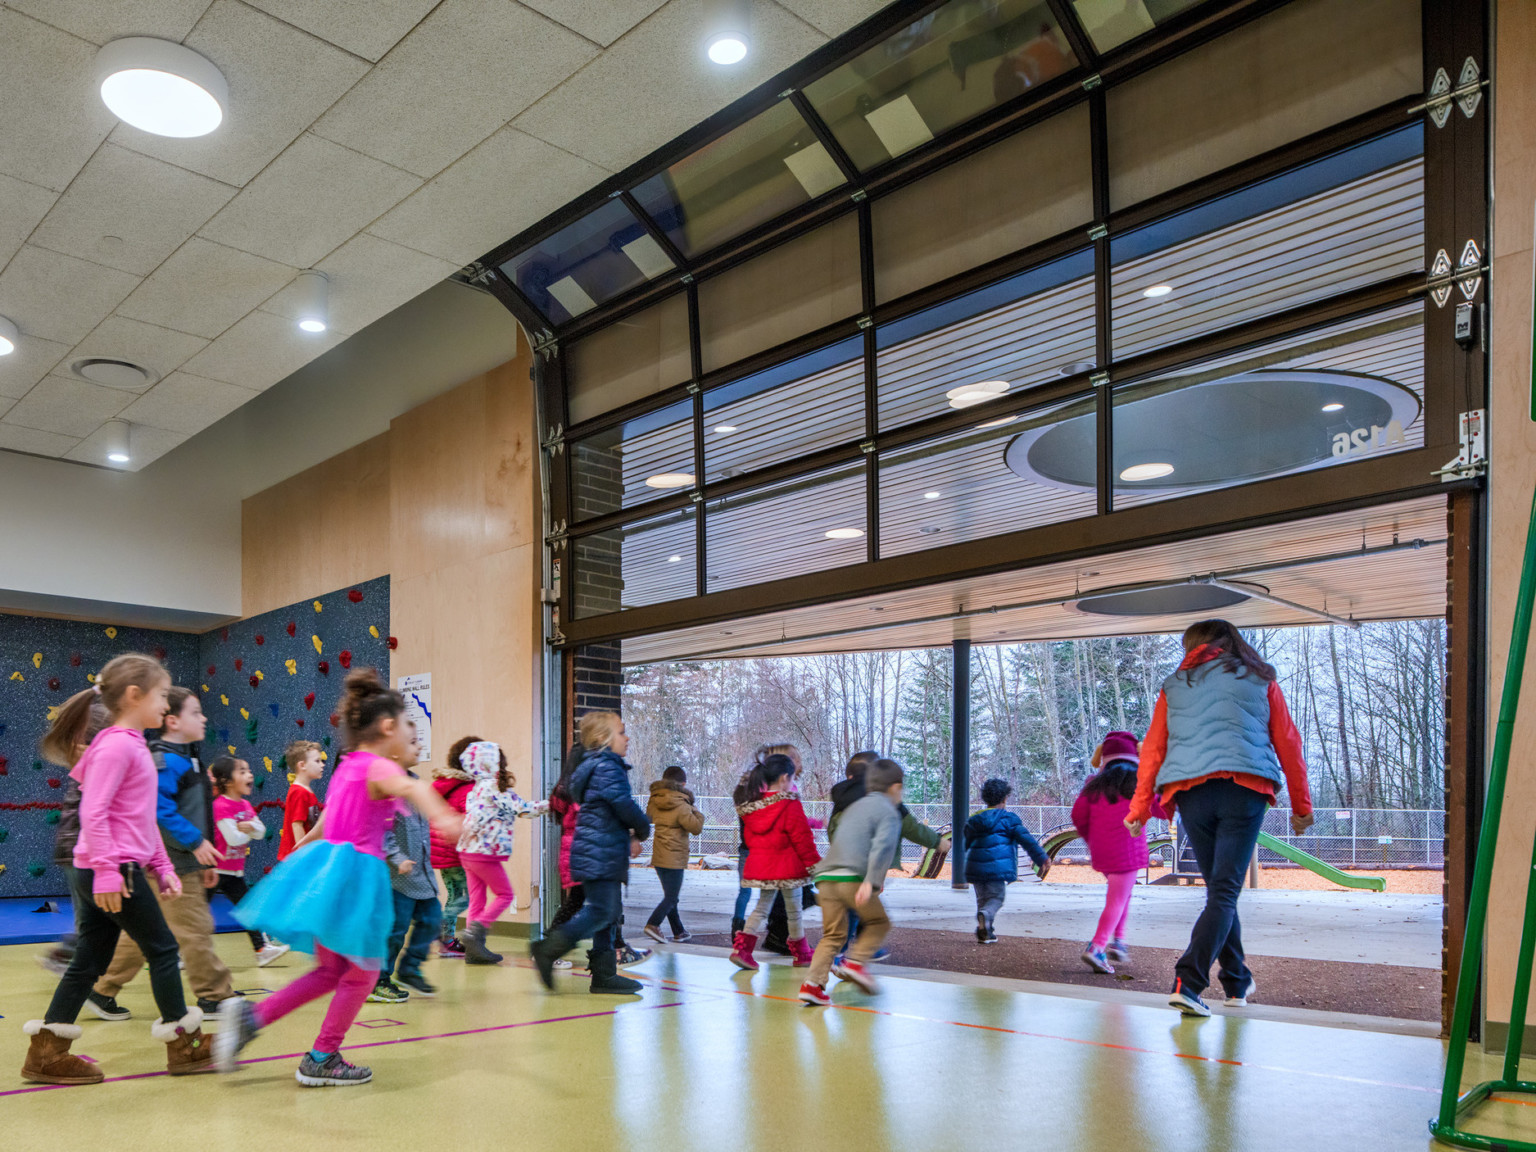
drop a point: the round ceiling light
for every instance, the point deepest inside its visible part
(845, 533)
(725, 429)
(8, 337)
(1334, 407)
(673, 559)
(110, 372)
(728, 48)
(1138, 472)
(161, 87)
(969, 395)
(116, 441)
(1162, 600)
(931, 495)
(314, 288)
(669, 480)
(1076, 368)
(1158, 291)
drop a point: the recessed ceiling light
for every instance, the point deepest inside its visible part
(1158, 291)
(1076, 368)
(673, 559)
(314, 300)
(116, 441)
(932, 495)
(1147, 472)
(725, 24)
(728, 49)
(969, 395)
(161, 87)
(8, 337)
(998, 423)
(725, 429)
(669, 480)
(1335, 407)
(929, 530)
(845, 533)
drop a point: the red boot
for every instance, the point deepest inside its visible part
(801, 951)
(741, 951)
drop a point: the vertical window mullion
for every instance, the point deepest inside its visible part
(696, 370)
(1098, 128)
(871, 382)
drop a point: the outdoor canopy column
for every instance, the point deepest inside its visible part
(960, 782)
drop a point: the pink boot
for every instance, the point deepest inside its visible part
(801, 951)
(741, 951)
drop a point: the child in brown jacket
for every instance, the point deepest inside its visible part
(675, 819)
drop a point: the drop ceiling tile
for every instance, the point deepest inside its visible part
(185, 403)
(280, 80)
(415, 109)
(17, 439)
(99, 22)
(308, 202)
(204, 288)
(369, 278)
(22, 206)
(833, 17)
(506, 184)
(57, 297)
(160, 350)
(68, 406)
(145, 446)
(668, 86)
(601, 20)
(366, 28)
(259, 351)
(32, 360)
(53, 117)
(130, 211)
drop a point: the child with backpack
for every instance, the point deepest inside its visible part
(993, 838)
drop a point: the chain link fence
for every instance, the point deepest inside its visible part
(1369, 838)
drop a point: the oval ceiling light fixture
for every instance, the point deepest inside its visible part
(314, 300)
(669, 480)
(932, 495)
(1334, 407)
(117, 441)
(1146, 472)
(726, 39)
(1076, 368)
(1158, 291)
(969, 395)
(9, 336)
(845, 533)
(161, 87)
(724, 429)
(674, 559)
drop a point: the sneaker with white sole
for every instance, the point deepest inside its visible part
(682, 936)
(562, 963)
(416, 985)
(1242, 1001)
(332, 1072)
(629, 954)
(1098, 961)
(386, 992)
(107, 1007)
(654, 932)
(853, 971)
(1118, 952)
(237, 1028)
(814, 994)
(1186, 1001)
(270, 953)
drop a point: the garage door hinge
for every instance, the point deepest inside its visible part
(1472, 460)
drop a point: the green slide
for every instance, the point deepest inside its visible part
(1322, 868)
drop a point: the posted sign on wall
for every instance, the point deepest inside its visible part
(417, 691)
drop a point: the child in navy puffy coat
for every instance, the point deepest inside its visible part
(993, 838)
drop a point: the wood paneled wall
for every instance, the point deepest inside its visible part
(446, 503)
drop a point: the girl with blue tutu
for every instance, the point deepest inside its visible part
(332, 897)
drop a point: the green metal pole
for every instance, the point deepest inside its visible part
(1493, 806)
(1521, 998)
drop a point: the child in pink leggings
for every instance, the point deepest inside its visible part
(486, 843)
(332, 896)
(1099, 816)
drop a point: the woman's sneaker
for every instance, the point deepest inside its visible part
(270, 953)
(332, 1072)
(107, 1007)
(418, 985)
(1095, 959)
(1242, 1001)
(1118, 952)
(237, 1028)
(654, 932)
(1186, 1001)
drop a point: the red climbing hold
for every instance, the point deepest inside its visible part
(291, 628)
(74, 660)
(239, 664)
(356, 596)
(159, 652)
(260, 639)
(344, 658)
(53, 683)
(267, 871)
(211, 669)
(55, 782)
(5, 766)
(393, 643)
(325, 667)
(309, 700)
(224, 635)
(335, 720)
(300, 721)
(255, 681)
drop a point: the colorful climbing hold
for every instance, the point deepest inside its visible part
(319, 607)
(355, 595)
(393, 643)
(231, 749)
(260, 639)
(300, 721)
(319, 648)
(260, 675)
(212, 669)
(55, 782)
(250, 730)
(255, 681)
(373, 630)
(325, 667)
(53, 684)
(75, 659)
(335, 720)
(5, 766)
(35, 869)
(4, 835)
(111, 632)
(239, 664)
(266, 762)
(291, 628)
(244, 715)
(160, 652)
(309, 700)
(224, 700)
(327, 742)
(205, 687)
(273, 706)
(37, 659)
(52, 817)
(223, 733)
(18, 676)
(292, 666)
(224, 635)
(344, 658)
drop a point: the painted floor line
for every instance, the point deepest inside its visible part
(1194, 1056)
(354, 1047)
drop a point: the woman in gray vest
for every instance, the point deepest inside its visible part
(1221, 745)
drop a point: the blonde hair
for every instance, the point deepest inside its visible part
(298, 752)
(598, 729)
(73, 721)
(766, 750)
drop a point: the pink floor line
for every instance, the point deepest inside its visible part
(351, 1047)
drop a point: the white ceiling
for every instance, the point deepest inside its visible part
(385, 142)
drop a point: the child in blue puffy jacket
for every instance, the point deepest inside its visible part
(993, 838)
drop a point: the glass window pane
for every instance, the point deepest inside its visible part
(628, 360)
(798, 287)
(1034, 327)
(646, 562)
(1031, 186)
(1111, 23)
(1298, 70)
(808, 524)
(1311, 401)
(753, 173)
(1349, 220)
(760, 420)
(965, 486)
(603, 254)
(643, 459)
(937, 72)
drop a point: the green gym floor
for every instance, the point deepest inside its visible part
(713, 1060)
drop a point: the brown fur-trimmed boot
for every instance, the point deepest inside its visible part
(49, 1060)
(187, 1050)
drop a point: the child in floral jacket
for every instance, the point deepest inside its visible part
(485, 844)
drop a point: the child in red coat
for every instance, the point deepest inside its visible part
(453, 783)
(780, 854)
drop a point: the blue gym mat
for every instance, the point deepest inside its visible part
(21, 923)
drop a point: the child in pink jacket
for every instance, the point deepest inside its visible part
(1099, 816)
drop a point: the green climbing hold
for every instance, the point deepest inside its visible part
(35, 869)
(52, 817)
(4, 835)
(250, 730)
(37, 765)
(326, 741)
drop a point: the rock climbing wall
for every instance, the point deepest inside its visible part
(276, 678)
(43, 663)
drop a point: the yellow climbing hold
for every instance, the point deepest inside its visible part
(224, 700)
(90, 677)
(318, 606)
(267, 762)
(111, 633)
(319, 648)
(373, 630)
(18, 676)
(37, 659)
(260, 675)
(244, 715)
(292, 666)
(205, 687)
(53, 712)
(231, 749)
(291, 777)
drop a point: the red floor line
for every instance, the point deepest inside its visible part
(352, 1047)
(1074, 1040)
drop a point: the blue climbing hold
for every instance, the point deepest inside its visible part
(273, 706)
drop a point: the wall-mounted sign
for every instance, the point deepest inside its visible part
(417, 691)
